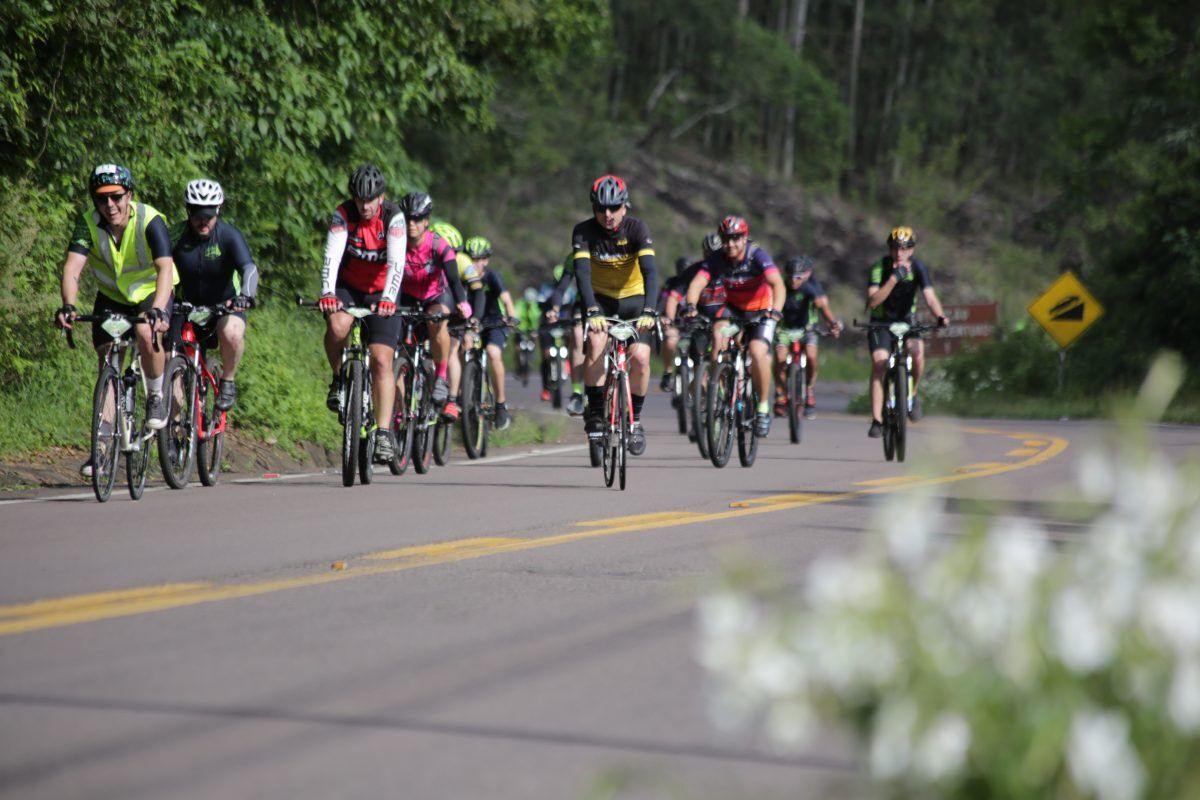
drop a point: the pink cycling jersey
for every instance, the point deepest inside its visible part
(425, 268)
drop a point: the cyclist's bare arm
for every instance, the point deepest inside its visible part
(931, 299)
(72, 271)
(697, 286)
(774, 279)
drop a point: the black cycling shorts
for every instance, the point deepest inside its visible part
(763, 331)
(625, 308)
(380, 330)
(881, 338)
(496, 336)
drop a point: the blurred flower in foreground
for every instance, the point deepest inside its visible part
(990, 664)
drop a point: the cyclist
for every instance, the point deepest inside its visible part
(892, 286)
(487, 301)
(136, 274)
(564, 297)
(752, 284)
(472, 282)
(710, 304)
(806, 302)
(670, 333)
(364, 256)
(431, 283)
(215, 268)
(614, 270)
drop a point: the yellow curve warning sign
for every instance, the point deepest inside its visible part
(1066, 309)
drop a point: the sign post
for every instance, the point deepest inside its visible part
(1065, 310)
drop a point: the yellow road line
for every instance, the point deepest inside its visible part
(78, 609)
(893, 481)
(1023, 451)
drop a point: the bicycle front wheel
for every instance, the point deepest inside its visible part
(679, 397)
(889, 416)
(402, 427)
(106, 433)
(177, 441)
(423, 430)
(901, 415)
(472, 415)
(137, 458)
(795, 400)
(747, 441)
(623, 411)
(722, 395)
(352, 383)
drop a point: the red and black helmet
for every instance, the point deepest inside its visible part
(733, 226)
(609, 190)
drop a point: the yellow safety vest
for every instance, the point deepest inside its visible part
(126, 273)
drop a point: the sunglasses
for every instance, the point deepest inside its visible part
(418, 219)
(613, 209)
(105, 199)
(732, 237)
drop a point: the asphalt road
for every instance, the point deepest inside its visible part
(501, 629)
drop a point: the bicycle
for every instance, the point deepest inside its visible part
(526, 344)
(479, 397)
(195, 431)
(897, 384)
(613, 441)
(732, 400)
(559, 356)
(355, 406)
(795, 376)
(413, 412)
(116, 410)
(691, 365)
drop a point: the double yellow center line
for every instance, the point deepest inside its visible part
(77, 609)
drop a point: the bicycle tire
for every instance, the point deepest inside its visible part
(795, 400)
(441, 442)
(558, 379)
(352, 419)
(106, 433)
(595, 452)
(487, 411)
(609, 451)
(402, 428)
(721, 390)
(901, 408)
(211, 446)
(699, 406)
(472, 417)
(623, 409)
(680, 393)
(889, 426)
(422, 435)
(747, 441)
(137, 462)
(177, 440)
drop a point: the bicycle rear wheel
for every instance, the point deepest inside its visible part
(901, 409)
(557, 379)
(699, 406)
(352, 383)
(487, 411)
(106, 433)
(210, 425)
(402, 427)
(472, 417)
(177, 441)
(137, 460)
(795, 400)
(721, 421)
(441, 442)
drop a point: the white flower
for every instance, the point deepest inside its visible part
(790, 722)
(909, 523)
(842, 583)
(942, 750)
(1183, 699)
(1100, 756)
(1015, 554)
(1097, 478)
(891, 740)
(1081, 636)
(773, 670)
(1170, 613)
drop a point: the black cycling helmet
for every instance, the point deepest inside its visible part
(108, 176)
(609, 190)
(416, 205)
(797, 265)
(681, 264)
(711, 243)
(367, 182)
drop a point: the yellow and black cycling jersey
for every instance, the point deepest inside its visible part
(615, 264)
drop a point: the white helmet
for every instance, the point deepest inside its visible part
(204, 192)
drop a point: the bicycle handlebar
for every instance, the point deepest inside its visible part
(136, 320)
(913, 327)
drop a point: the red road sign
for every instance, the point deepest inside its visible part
(973, 322)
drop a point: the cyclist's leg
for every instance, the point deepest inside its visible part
(152, 362)
(337, 330)
(495, 340)
(781, 352)
(917, 348)
(876, 341)
(761, 363)
(231, 338)
(383, 333)
(454, 361)
(670, 343)
(439, 341)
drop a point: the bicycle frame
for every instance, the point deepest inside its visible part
(616, 365)
(194, 353)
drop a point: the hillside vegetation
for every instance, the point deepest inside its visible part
(1018, 138)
